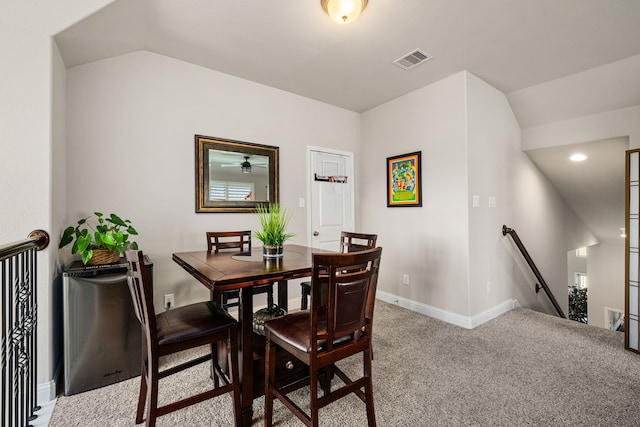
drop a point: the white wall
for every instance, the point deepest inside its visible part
(455, 254)
(548, 229)
(606, 280)
(131, 122)
(575, 264)
(30, 122)
(430, 242)
(493, 134)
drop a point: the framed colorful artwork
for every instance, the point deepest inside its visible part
(404, 186)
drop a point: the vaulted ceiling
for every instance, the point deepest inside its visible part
(553, 59)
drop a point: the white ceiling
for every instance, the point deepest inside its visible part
(554, 59)
(294, 46)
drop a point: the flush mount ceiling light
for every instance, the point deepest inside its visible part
(578, 157)
(343, 11)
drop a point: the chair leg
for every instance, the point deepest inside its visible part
(313, 404)
(325, 380)
(234, 374)
(142, 397)
(270, 371)
(368, 388)
(214, 362)
(152, 394)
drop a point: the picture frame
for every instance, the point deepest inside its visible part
(234, 176)
(404, 180)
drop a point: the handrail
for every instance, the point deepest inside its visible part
(19, 317)
(542, 284)
(38, 239)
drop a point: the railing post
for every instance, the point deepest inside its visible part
(18, 262)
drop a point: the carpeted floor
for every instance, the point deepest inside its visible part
(521, 369)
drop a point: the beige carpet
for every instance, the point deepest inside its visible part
(523, 368)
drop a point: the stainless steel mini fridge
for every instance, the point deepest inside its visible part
(102, 335)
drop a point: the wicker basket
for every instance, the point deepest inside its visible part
(103, 256)
(262, 315)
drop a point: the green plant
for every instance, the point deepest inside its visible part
(273, 219)
(578, 304)
(110, 233)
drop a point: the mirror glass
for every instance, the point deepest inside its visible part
(234, 176)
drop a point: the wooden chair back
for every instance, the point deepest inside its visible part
(355, 242)
(217, 240)
(342, 301)
(142, 297)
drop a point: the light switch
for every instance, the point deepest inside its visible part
(301, 202)
(476, 201)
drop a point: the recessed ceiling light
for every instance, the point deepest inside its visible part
(578, 157)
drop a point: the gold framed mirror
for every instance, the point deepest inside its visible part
(234, 176)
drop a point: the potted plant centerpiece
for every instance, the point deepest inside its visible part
(273, 219)
(101, 243)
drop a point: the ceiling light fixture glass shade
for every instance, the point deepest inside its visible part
(343, 11)
(246, 167)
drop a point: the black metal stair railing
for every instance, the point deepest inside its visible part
(541, 283)
(19, 321)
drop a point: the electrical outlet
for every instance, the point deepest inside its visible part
(405, 279)
(168, 302)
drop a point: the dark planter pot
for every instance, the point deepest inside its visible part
(272, 253)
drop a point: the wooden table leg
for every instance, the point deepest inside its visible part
(283, 298)
(245, 316)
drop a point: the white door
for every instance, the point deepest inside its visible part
(331, 203)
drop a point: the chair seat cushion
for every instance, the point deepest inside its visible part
(191, 322)
(294, 329)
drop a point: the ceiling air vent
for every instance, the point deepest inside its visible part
(412, 59)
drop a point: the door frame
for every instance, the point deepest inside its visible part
(350, 182)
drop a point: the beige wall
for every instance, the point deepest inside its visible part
(428, 243)
(30, 125)
(605, 272)
(459, 262)
(137, 114)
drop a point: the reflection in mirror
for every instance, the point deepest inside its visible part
(234, 176)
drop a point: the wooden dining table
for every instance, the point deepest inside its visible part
(224, 271)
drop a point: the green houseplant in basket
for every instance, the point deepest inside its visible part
(274, 220)
(101, 243)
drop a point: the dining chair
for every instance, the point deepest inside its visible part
(349, 242)
(333, 329)
(175, 330)
(217, 240)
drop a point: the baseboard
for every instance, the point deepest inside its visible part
(447, 316)
(46, 391)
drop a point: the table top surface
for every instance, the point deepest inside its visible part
(230, 270)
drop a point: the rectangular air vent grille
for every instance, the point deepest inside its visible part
(412, 59)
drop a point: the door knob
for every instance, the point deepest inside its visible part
(315, 233)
